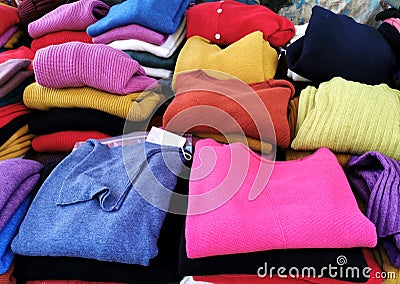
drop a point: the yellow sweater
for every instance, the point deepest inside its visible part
(17, 145)
(349, 117)
(135, 106)
(251, 59)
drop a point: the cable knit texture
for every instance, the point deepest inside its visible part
(232, 20)
(349, 117)
(377, 179)
(132, 31)
(63, 141)
(60, 38)
(284, 214)
(93, 199)
(17, 179)
(75, 16)
(251, 59)
(135, 106)
(103, 68)
(258, 111)
(160, 16)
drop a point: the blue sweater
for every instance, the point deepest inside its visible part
(93, 204)
(161, 16)
(8, 233)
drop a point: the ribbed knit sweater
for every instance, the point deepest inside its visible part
(76, 16)
(251, 59)
(59, 38)
(349, 117)
(17, 145)
(303, 204)
(376, 178)
(104, 68)
(135, 106)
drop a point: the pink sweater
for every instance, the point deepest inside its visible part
(305, 203)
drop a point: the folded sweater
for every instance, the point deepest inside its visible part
(164, 50)
(376, 178)
(104, 190)
(76, 16)
(22, 52)
(9, 16)
(101, 69)
(17, 145)
(163, 17)
(17, 179)
(135, 106)
(59, 38)
(323, 53)
(225, 22)
(131, 31)
(8, 233)
(10, 112)
(349, 117)
(256, 212)
(7, 35)
(83, 119)
(258, 111)
(63, 141)
(251, 59)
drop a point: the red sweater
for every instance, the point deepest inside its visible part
(59, 38)
(225, 22)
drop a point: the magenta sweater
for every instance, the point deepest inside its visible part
(99, 66)
(304, 203)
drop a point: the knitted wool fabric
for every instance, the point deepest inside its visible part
(10, 112)
(165, 50)
(394, 22)
(8, 277)
(349, 117)
(9, 18)
(232, 108)
(31, 10)
(377, 179)
(291, 154)
(322, 53)
(93, 185)
(248, 263)
(7, 35)
(150, 60)
(255, 279)
(75, 16)
(257, 145)
(17, 179)
(63, 141)
(283, 216)
(15, 95)
(60, 119)
(15, 82)
(392, 35)
(8, 233)
(15, 38)
(135, 106)
(9, 68)
(225, 22)
(132, 31)
(163, 17)
(101, 69)
(251, 59)
(59, 38)
(20, 53)
(386, 14)
(18, 144)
